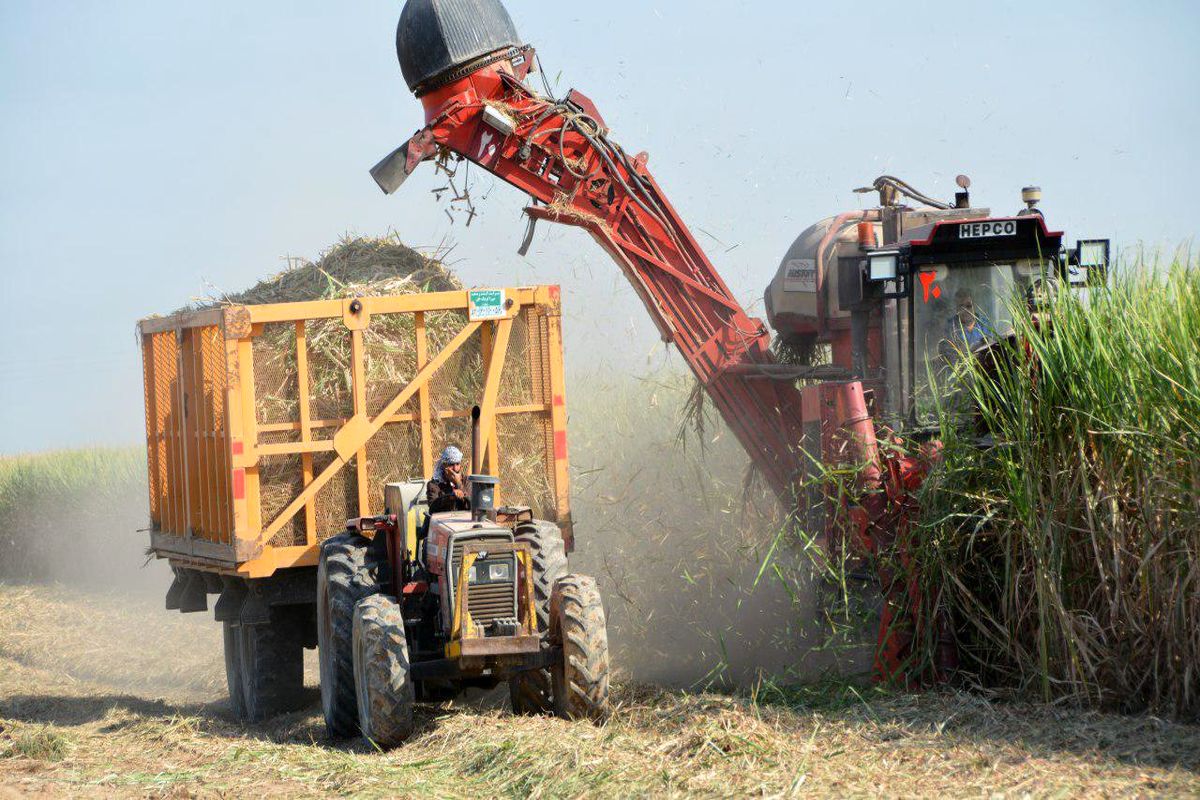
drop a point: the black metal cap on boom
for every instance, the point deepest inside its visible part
(436, 38)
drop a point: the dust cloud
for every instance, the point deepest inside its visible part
(82, 599)
(700, 586)
(92, 539)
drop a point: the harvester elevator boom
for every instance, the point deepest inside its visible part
(559, 153)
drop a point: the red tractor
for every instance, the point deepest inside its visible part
(882, 289)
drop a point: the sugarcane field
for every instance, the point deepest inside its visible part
(486, 398)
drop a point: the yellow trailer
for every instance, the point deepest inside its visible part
(269, 426)
(251, 465)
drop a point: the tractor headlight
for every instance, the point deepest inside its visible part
(489, 571)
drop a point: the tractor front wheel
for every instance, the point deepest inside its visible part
(382, 679)
(578, 626)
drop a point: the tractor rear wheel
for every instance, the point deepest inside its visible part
(532, 692)
(578, 626)
(384, 686)
(272, 669)
(233, 669)
(346, 573)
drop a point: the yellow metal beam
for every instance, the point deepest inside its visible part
(183, 427)
(242, 449)
(358, 371)
(462, 413)
(306, 460)
(558, 425)
(423, 396)
(491, 386)
(334, 309)
(238, 518)
(394, 304)
(274, 559)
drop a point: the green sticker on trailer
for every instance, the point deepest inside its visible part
(486, 304)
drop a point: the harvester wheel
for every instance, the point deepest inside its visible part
(272, 669)
(383, 684)
(531, 692)
(345, 575)
(577, 625)
(233, 669)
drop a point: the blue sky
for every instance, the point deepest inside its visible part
(149, 149)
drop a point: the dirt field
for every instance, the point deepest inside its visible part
(115, 697)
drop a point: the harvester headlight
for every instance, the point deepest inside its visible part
(883, 266)
(1089, 264)
(1093, 252)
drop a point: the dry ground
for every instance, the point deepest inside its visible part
(97, 699)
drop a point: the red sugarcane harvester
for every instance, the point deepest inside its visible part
(885, 289)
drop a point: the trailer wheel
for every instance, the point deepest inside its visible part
(272, 669)
(531, 692)
(577, 625)
(383, 684)
(344, 576)
(233, 669)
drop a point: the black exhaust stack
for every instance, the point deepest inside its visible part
(476, 449)
(483, 487)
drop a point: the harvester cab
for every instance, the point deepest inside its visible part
(441, 602)
(900, 294)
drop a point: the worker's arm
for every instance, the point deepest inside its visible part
(442, 499)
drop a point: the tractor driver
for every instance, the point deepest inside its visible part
(446, 490)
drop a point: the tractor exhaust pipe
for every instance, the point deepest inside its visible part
(483, 487)
(476, 450)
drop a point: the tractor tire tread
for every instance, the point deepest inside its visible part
(345, 574)
(578, 625)
(382, 672)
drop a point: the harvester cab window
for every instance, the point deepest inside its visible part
(958, 309)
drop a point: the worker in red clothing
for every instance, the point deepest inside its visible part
(446, 490)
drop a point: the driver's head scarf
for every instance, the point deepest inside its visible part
(451, 455)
